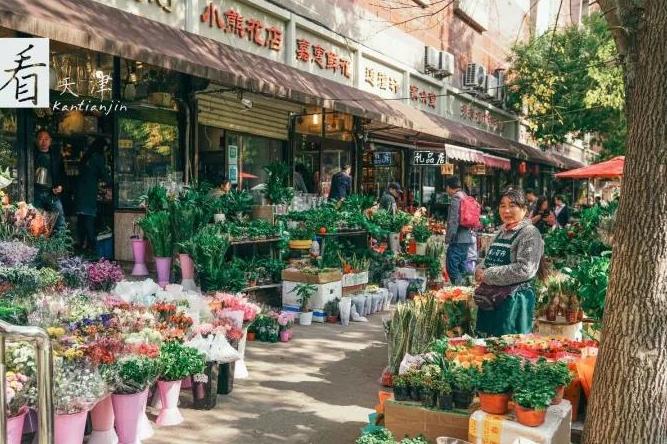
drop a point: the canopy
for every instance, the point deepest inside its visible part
(609, 169)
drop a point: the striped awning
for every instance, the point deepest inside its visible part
(473, 156)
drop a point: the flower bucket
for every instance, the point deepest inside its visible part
(163, 265)
(205, 388)
(529, 417)
(169, 413)
(129, 411)
(145, 428)
(102, 419)
(284, 336)
(420, 249)
(226, 378)
(187, 266)
(395, 242)
(306, 318)
(494, 403)
(186, 383)
(15, 426)
(69, 429)
(139, 253)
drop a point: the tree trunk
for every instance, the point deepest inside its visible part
(628, 403)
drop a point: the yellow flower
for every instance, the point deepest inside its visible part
(55, 332)
(72, 353)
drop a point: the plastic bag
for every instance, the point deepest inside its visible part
(355, 316)
(392, 287)
(221, 351)
(235, 315)
(359, 302)
(410, 362)
(345, 307)
(378, 300)
(368, 305)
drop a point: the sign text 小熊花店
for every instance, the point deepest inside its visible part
(425, 158)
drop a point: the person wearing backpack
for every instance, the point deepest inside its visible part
(464, 215)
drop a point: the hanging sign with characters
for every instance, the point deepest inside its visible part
(426, 158)
(24, 73)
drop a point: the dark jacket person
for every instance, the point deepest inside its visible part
(341, 184)
(92, 169)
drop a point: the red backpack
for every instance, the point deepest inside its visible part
(470, 212)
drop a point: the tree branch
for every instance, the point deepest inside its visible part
(610, 12)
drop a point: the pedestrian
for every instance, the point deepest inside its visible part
(388, 199)
(543, 218)
(92, 170)
(531, 197)
(341, 184)
(458, 237)
(506, 296)
(562, 212)
(298, 179)
(49, 178)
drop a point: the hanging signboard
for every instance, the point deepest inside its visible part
(383, 158)
(428, 158)
(478, 170)
(447, 169)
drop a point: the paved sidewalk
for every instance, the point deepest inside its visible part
(318, 388)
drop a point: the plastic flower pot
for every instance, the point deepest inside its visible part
(395, 242)
(186, 383)
(284, 336)
(226, 378)
(15, 426)
(169, 414)
(332, 319)
(558, 397)
(529, 417)
(139, 253)
(145, 428)
(462, 400)
(291, 333)
(401, 393)
(205, 388)
(415, 393)
(251, 336)
(445, 401)
(494, 403)
(69, 429)
(128, 411)
(163, 265)
(420, 249)
(306, 318)
(102, 419)
(187, 272)
(429, 398)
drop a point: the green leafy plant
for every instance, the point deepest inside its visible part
(421, 232)
(464, 379)
(277, 190)
(157, 229)
(236, 203)
(591, 279)
(303, 293)
(130, 374)
(376, 436)
(534, 387)
(178, 361)
(331, 307)
(155, 199)
(499, 375)
(300, 233)
(554, 373)
(207, 249)
(52, 249)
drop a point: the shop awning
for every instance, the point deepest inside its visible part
(610, 169)
(496, 162)
(463, 154)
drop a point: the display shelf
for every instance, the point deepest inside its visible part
(257, 241)
(262, 287)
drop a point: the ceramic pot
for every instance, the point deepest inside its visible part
(139, 253)
(163, 265)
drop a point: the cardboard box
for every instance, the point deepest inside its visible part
(320, 278)
(405, 418)
(355, 279)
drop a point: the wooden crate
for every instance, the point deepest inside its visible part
(320, 278)
(403, 418)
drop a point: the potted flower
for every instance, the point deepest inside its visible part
(495, 383)
(303, 293)
(129, 379)
(332, 310)
(103, 275)
(444, 391)
(557, 374)
(421, 234)
(175, 363)
(157, 228)
(17, 399)
(401, 388)
(285, 321)
(464, 381)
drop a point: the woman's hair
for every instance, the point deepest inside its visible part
(540, 202)
(516, 197)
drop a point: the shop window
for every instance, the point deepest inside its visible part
(258, 152)
(79, 72)
(148, 155)
(9, 153)
(338, 126)
(148, 85)
(381, 167)
(307, 163)
(211, 155)
(310, 122)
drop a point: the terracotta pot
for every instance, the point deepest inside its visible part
(558, 397)
(551, 314)
(187, 266)
(580, 315)
(529, 417)
(332, 319)
(250, 336)
(494, 403)
(571, 316)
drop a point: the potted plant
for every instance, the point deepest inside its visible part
(444, 390)
(495, 383)
(252, 276)
(303, 293)
(208, 249)
(18, 386)
(395, 225)
(236, 204)
(176, 361)
(188, 214)
(557, 374)
(401, 388)
(332, 311)
(414, 379)
(421, 234)
(157, 228)
(277, 190)
(533, 393)
(301, 238)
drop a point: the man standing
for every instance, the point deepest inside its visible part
(341, 184)
(388, 199)
(459, 239)
(531, 197)
(49, 177)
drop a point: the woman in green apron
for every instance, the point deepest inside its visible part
(506, 297)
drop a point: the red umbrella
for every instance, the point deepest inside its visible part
(248, 176)
(609, 169)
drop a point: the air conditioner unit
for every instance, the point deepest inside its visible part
(475, 76)
(447, 63)
(500, 91)
(431, 59)
(491, 86)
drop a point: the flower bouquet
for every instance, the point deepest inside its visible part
(103, 275)
(74, 271)
(18, 399)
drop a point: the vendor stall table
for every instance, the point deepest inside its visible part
(406, 418)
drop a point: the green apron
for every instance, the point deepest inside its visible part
(515, 314)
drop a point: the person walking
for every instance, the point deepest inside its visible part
(531, 198)
(92, 170)
(341, 184)
(542, 217)
(562, 212)
(506, 296)
(388, 199)
(459, 238)
(49, 178)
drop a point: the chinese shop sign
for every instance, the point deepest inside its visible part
(480, 117)
(238, 25)
(422, 96)
(24, 73)
(426, 158)
(324, 59)
(381, 79)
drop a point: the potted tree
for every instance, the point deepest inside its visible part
(332, 311)
(421, 233)
(176, 362)
(157, 228)
(495, 383)
(303, 293)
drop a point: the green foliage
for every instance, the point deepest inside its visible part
(331, 307)
(464, 379)
(300, 232)
(569, 82)
(398, 221)
(534, 387)
(178, 361)
(156, 226)
(131, 374)
(277, 190)
(235, 203)
(208, 248)
(554, 373)
(303, 293)
(499, 375)
(155, 199)
(377, 436)
(591, 279)
(420, 231)
(51, 249)
(381, 265)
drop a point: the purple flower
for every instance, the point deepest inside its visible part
(102, 275)
(74, 271)
(15, 253)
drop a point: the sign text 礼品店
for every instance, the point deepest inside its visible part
(233, 23)
(324, 59)
(421, 158)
